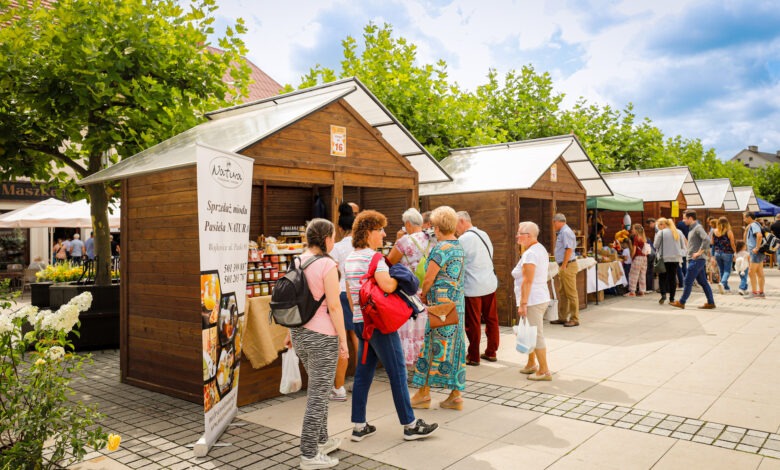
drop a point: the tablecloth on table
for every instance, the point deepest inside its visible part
(263, 340)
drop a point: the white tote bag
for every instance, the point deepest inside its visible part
(291, 374)
(525, 342)
(552, 308)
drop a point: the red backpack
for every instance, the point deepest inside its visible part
(381, 311)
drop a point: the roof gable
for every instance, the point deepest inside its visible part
(516, 165)
(746, 199)
(656, 184)
(717, 194)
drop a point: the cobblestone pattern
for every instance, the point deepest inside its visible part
(158, 431)
(678, 427)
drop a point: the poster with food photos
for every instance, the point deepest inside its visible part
(224, 183)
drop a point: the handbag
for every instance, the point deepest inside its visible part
(659, 266)
(381, 311)
(444, 314)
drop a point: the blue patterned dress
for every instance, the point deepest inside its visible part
(443, 357)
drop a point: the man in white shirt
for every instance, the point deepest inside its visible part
(479, 285)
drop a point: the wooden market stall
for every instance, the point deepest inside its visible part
(666, 192)
(503, 185)
(718, 196)
(746, 201)
(299, 172)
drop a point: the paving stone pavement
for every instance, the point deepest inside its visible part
(157, 429)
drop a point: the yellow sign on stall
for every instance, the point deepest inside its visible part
(338, 141)
(675, 209)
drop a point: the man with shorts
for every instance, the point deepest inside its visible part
(753, 238)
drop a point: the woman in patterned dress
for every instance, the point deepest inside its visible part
(409, 250)
(442, 362)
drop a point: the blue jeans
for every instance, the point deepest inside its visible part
(682, 268)
(385, 348)
(724, 261)
(743, 280)
(696, 272)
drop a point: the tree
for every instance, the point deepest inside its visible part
(86, 83)
(766, 182)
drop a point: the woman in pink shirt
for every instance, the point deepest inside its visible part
(319, 343)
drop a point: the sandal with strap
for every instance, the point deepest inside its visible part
(422, 399)
(452, 403)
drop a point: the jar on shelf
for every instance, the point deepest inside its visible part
(264, 288)
(257, 290)
(250, 275)
(249, 291)
(267, 274)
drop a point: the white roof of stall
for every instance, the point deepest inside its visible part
(746, 199)
(236, 128)
(516, 165)
(717, 194)
(656, 184)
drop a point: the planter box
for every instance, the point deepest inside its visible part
(39, 294)
(99, 324)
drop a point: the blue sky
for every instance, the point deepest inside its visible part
(698, 68)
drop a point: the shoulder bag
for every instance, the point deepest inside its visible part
(659, 267)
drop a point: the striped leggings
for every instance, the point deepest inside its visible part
(318, 354)
(638, 273)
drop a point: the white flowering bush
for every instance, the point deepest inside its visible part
(41, 425)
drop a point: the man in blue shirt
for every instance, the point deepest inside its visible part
(569, 302)
(89, 245)
(698, 250)
(76, 249)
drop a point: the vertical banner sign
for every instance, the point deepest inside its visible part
(224, 199)
(338, 141)
(675, 209)
(554, 172)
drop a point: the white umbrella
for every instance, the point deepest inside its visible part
(75, 214)
(29, 217)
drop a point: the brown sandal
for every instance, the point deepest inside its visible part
(422, 399)
(452, 403)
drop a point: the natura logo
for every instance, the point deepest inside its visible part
(226, 173)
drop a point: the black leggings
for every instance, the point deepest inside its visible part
(668, 280)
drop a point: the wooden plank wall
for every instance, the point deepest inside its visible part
(390, 202)
(737, 224)
(161, 257)
(491, 212)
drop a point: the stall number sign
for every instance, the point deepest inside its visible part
(554, 173)
(338, 141)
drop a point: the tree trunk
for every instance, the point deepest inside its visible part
(98, 199)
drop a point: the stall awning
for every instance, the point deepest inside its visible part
(656, 184)
(617, 202)
(236, 128)
(766, 208)
(516, 165)
(746, 199)
(717, 194)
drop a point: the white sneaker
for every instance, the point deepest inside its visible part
(331, 445)
(318, 461)
(338, 394)
(721, 289)
(743, 292)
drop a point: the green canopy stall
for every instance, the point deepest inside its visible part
(616, 202)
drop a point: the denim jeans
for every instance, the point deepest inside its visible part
(724, 261)
(696, 272)
(743, 280)
(385, 348)
(682, 268)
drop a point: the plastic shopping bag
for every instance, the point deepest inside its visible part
(525, 341)
(291, 374)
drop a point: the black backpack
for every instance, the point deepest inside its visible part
(292, 304)
(769, 243)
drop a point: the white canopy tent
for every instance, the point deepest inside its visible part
(717, 194)
(746, 199)
(55, 213)
(516, 165)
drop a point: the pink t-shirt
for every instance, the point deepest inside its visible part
(315, 278)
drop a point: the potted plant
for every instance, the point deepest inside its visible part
(41, 425)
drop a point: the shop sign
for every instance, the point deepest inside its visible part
(224, 201)
(338, 141)
(25, 191)
(554, 173)
(675, 209)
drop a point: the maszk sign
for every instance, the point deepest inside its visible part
(224, 199)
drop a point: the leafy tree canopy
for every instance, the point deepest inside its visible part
(85, 83)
